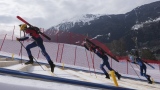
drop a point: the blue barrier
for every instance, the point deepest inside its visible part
(60, 80)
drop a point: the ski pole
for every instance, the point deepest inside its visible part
(21, 49)
(133, 69)
(32, 56)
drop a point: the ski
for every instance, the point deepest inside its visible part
(21, 19)
(87, 40)
(149, 64)
(144, 62)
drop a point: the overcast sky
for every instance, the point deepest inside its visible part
(47, 13)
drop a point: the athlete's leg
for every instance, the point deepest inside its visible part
(109, 67)
(29, 46)
(43, 50)
(104, 71)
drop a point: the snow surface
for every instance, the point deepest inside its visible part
(137, 26)
(45, 85)
(80, 20)
(71, 74)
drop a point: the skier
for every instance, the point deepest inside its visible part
(131, 58)
(38, 41)
(99, 52)
(143, 68)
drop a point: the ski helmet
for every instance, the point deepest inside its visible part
(23, 26)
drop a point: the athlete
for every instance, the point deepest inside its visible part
(38, 41)
(99, 52)
(143, 69)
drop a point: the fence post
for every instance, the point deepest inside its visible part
(70, 37)
(87, 60)
(57, 37)
(21, 50)
(13, 33)
(60, 51)
(127, 67)
(112, 73)
(3, 41)
(92, 57)
(75, 55)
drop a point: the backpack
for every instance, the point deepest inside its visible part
(39, 32)
(35, 29)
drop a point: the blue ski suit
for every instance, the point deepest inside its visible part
(99, 52)
(143, 68)
(102, 55)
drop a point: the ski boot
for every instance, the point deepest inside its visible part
(149, 80)
(118, 75)
(52, 65)
(107, 76)
(30, 60)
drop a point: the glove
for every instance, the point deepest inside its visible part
(17, 39)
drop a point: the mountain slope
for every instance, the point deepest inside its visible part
(119, 26)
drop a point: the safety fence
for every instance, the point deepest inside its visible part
(66, 47)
